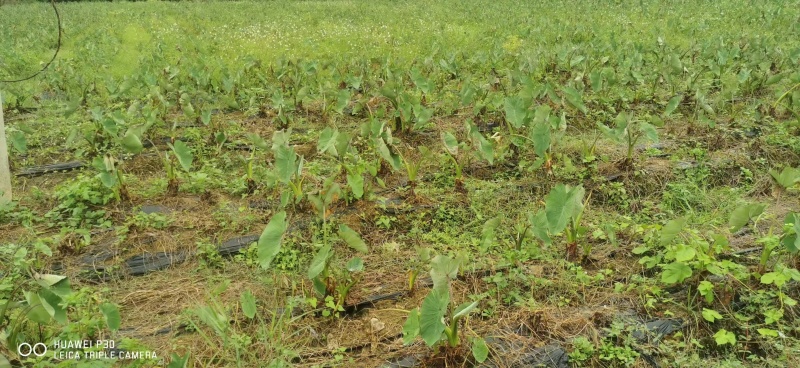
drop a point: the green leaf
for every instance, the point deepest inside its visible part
(327, 141)
(684, 253)
(743, 214)
(352, 239)
(711, 315)
(431, 314)
(539, 227)
(767, 332)
(111, 315)
(52, 303)
(675, 272)
(464, 309)
(184, 154)
(487, 232)
(480, 351)
(248, 304)
(723, 337)
(540, 135)
(342, 100)
(257, 141)
(385, 153)
(673, 104)
(176, 361)
(356, 183)
(671, 230)
(786, 178)
(4, 363)
(516, 110)
(563, 204)
(131, 142)
(574, 99)
(18, 141)
(411, 327)
(649, 131)
(355, 265)
(450, 143)
(320, 262)
(269, 243)
(37, 312)
(443, 269)
(285, 162)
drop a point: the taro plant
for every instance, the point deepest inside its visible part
(422, 259)
(257, 144)
(430, 321)
(629, 131)
(288, 166)
(111, 176)
(412, 167)
(330, 281)
(563, 210)
(788, 178)
(451, 147)
(183, 154)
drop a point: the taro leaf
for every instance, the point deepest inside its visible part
(675, 64)
(411, 327)
(675, 272)
(540, 135)
(132, 143)
(342, 142)
(562, 204)
(673, 104)
(516, 111)
(596, 79)
(443, 269)
(36, 312)
(327, 141)
(52, 303)
(356, 183)
(269, 243)
(285, 162)
(386, 154)
(205, 117)
(342, 100)
(539, 227)
(487, 232)
(649, 131)
(248, 304)
(467, 94)
(18, 141)
(352, 239)
(480, 351)
(431, 314)
(485, 148)
(743, 214)
(319, 262)
(281, 138)
(184, 154)
(4, 363)
(786, 178)
(55, 283)
(671, 230)
(792, 240)
(355, 265)
(111, 315)
(574, 99)
(257, 141)
(177, 361)
(450, 143)
(423, 115)
(464, 309)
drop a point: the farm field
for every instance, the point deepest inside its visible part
(402, 184)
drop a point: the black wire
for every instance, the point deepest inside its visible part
(58, 48)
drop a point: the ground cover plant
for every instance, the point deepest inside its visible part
(399, 184)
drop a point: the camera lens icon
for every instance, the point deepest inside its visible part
(25, 349)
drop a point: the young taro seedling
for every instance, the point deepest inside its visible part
(288, 167)
(181, 152)
(428, 321)
(629, 131)
(412, 168)
(111, 176)
(257, 144)
(564, 207)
